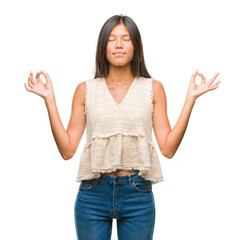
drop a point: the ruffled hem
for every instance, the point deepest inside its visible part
(119, 133)
(120, 168)
(125, 151)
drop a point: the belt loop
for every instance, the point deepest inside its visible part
(129, 179)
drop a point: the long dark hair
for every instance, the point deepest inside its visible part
(138, 66)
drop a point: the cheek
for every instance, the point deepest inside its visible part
(131, 51)
(108, 51)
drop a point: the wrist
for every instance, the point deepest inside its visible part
(190, 100)
(49, 99)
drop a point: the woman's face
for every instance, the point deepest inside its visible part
(120, 49)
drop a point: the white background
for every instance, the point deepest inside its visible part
(202, 195)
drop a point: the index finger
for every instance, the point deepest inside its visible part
(193, 77)
(46, 75)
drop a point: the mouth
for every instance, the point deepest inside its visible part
(118, 54)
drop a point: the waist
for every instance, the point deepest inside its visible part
(121, 179)
(120, 173)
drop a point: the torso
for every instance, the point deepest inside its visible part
(118, 95)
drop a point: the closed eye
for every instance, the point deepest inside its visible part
(111, 40)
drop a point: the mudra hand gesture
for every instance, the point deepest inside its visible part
(194, 90)
(45, 91)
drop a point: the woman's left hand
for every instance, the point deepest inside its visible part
(195, 91)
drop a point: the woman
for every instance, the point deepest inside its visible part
(119, 162)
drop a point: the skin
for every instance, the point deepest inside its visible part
(120, 70)
(118, 81)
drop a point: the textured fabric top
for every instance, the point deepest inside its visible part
(119, 135)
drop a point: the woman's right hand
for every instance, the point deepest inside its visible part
(38, 87)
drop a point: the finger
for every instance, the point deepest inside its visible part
(28, 89)
(38, 77)
(216, 83)
(209, 83)
(46, 76)
(193, 77)
(31, 81)
(203, 78)
(213, 87)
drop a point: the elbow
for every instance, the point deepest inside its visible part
(170, 156)
(167, 154)
(67, 156)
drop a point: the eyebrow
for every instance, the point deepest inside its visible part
(121, 35)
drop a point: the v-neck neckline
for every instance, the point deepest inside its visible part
(108, 91)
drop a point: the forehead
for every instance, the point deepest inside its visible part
(120, 29)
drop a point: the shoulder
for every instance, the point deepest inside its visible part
(156, 84)
(79, 95)
(82, 87)
(158, 90)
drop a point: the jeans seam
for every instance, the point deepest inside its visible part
(153, 214)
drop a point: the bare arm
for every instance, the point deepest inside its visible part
(169, 139)
(59, 133)
(67, 140)
(176, 135)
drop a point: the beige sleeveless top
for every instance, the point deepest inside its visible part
(119, 135)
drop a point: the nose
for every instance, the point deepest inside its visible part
(119, 43)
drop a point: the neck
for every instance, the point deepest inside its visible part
(120, 74)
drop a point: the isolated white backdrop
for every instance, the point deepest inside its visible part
(202, 195)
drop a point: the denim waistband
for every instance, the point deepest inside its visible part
(120, 179)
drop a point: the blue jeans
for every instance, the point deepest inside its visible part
(127, 198)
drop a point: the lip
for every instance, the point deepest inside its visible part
(118, 53)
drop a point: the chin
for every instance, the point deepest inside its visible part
(120, 63)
